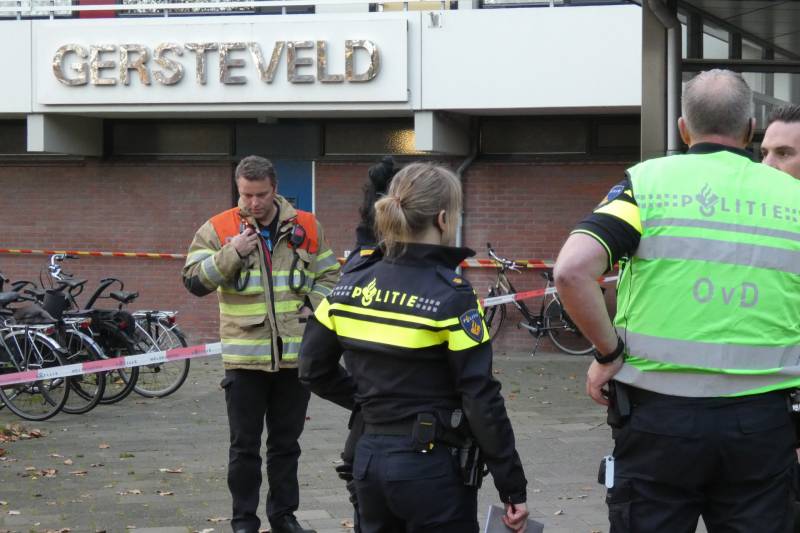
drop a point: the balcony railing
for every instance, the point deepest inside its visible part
(59, 9)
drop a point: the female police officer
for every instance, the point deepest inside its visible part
(413, 337)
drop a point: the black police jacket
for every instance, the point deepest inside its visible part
(413, 338)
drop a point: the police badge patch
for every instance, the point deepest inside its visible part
(472, 324)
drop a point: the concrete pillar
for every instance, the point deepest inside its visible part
(60, 134)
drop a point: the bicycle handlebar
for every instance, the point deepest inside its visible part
(505, 263)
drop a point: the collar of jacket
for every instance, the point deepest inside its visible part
(285, 211)
(708, 148)
(417, 254)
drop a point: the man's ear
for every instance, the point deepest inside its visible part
(751, 131)
(686, 137)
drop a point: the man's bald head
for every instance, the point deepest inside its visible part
(717, 103)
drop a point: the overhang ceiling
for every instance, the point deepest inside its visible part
(775, 21)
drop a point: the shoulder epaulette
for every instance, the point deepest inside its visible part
(453, 278)
(361, 258)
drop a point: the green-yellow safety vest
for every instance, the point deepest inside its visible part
(709, 305)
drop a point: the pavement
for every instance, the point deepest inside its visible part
(159, 466)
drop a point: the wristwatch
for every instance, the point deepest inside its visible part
(610, 358)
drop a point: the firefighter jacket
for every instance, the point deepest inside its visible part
(260, 295)
(413, 338)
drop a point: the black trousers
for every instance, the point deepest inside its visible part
(253, 397)
(729, 460)
(404, 491)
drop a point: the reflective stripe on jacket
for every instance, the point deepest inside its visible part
(708, 304)
(256, 320)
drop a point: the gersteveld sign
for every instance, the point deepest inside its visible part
(214, 61)
(107, 64)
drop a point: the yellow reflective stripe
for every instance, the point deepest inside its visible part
(209, 269)
(250, 289)
(624, 211)
(243, 309)
(247, 342)
(321, 314)
(366, 251)
(389, 334)
(459, 340)
(324, 254)
(198, 255)
(601, 241)
(245, 359)
(395, 316)
(333, 266)
(287, 306)
(322, 290)
(291, 348)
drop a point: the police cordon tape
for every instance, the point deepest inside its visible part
(144, 255)
(103, 365)
(200, 350)
(466, 263)
(526, 295)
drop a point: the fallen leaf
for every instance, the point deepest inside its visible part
(165, 493)
(30, 468)
(13, 513)
(104, 446)
(96, 465)
(80, 473)
(559, 512)
(347, 523)
(56, 455)
(126, 455)
(67, 462)
(3, 503)
(36, 433)
(207, 530)
(171, 470)
(49, 472)
(216, 519)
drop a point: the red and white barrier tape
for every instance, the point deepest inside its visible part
(145, 255)
(130, 361)
(527, 295)
(539, 264)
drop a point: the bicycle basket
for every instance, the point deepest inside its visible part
(55, 303)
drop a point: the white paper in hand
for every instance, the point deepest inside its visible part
(494, 522)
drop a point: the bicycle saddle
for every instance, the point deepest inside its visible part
(124, 297)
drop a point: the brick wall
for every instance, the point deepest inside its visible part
(526, 210)
(154, 207)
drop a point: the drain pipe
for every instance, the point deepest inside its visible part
(670, 21)
(465, 164)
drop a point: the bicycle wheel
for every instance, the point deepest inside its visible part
(87, 389)
(494, 317)
(563, 332)
(161, 379)
(120, 382)
(41, 399)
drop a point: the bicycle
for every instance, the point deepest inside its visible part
(162, 333)
(552, 319)
(111, 329)
(29, 348)
(73, 333)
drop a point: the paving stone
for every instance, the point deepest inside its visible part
(561, 437)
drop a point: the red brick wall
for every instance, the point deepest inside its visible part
(152, 207)
(525, 210)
